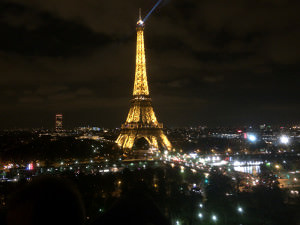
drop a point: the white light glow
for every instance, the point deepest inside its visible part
(252, 137)
(214, 218)
(240, 209)
(284, 139)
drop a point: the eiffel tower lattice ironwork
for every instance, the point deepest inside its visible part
(141, 121)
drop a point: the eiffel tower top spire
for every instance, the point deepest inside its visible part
(140, 14)
(140, 81)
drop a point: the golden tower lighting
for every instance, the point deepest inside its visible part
(141, 121)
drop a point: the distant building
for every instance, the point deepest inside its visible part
(58, 122)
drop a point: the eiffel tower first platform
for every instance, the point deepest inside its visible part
(141, 121)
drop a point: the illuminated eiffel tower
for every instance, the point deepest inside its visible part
(141, 121)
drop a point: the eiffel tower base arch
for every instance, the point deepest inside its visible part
(154, 136)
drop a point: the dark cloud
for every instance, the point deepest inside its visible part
(33, 33)
(208, 61)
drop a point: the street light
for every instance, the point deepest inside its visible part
(200, 215)
(284, 139)
(214, 218)
(252, 137)
(240, 209)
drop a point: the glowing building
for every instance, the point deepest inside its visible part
(58, 122)
(141, 122)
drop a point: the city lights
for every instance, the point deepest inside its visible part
(214, 218)
(30, 166)
(252, 137)
(240, 209)
(225, 77)
(284, 139)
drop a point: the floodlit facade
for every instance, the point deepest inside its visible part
(141, 121)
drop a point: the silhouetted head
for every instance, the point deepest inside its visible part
(46, 200)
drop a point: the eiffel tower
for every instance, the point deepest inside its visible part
(141, 121)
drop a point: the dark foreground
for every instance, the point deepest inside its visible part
(157, 195)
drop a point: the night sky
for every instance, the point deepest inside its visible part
(210, 62)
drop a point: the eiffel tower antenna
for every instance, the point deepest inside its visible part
(140, 14)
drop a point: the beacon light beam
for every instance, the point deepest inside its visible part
(154, 7)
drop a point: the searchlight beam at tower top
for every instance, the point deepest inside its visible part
(154, 7)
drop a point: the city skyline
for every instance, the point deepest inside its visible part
(163, 112)
(205, 65)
